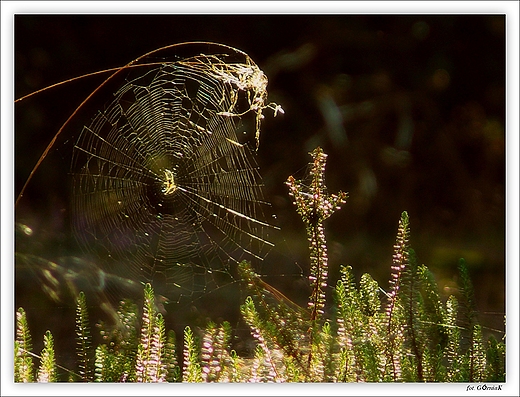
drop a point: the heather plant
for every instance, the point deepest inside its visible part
(405, 333)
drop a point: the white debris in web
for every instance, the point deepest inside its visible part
(248, 78)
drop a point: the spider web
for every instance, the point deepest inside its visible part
(165, 186)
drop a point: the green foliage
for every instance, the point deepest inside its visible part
(115, 361)
(127, 357)
(84, 340)
(469, 311)
(495, 360)
(192, 369)
(173, 371)
(215, 355)
(407, 334)
(47, 369)
(149, 364)
(23, 364)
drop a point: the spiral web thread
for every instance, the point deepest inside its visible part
(164, 185)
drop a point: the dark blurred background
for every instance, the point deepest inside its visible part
(410, 109)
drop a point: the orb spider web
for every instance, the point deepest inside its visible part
(165, 187)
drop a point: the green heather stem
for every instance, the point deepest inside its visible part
(83, 338)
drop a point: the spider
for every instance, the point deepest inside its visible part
(169, 185)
